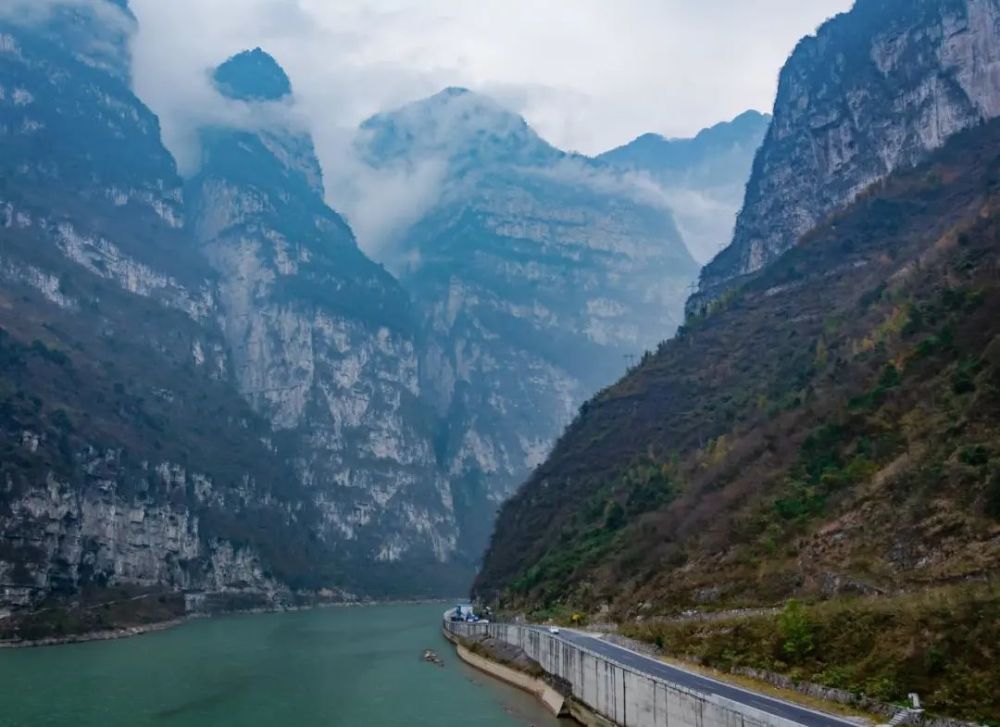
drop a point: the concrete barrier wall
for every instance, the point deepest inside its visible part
(618, 692)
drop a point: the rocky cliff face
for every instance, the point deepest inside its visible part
(875, 90)
(322, 340)
(537, 274)
(703, 178)
(114, 401)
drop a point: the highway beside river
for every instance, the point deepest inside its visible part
(699, 683)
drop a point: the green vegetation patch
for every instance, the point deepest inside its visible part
(943, 644)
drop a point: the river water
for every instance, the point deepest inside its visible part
(340, 666)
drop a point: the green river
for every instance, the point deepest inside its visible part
(338, 666)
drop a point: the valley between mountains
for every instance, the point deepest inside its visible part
(736, 395)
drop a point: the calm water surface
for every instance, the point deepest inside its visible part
(340, 666)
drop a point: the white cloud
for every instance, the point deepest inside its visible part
(37, 11)
(587, 74)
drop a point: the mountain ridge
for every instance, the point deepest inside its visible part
(703, 178)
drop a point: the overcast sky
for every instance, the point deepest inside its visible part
(588, 74)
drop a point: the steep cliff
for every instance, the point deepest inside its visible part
(703, 178)
(322, 340)
(875, 90)
(114, 404)
(537, 275)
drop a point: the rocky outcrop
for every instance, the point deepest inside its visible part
(115, 401)
(63, 537)
(875, 90)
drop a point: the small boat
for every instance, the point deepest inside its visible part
(431, 657)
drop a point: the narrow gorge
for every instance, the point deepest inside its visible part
(215, 399)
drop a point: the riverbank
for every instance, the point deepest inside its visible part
(108, 635)
(138, 629)
(522, 679)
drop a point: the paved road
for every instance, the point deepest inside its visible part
(706, 685)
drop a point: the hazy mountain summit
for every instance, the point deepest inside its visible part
(459, 126)
(538, 276)
(708, 158)
(703, 179)
(252, 75)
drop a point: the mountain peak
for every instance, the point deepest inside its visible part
(252, 75)
(658, 154)
(452, 91)
(454, 123)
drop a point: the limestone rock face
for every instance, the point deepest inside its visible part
(101, 534)
(875, 90)
(126, 458)
(323, 341)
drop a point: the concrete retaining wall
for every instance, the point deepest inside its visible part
(618, 692)
(546, 694)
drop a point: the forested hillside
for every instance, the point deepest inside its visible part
(763, 420)
(829, 430)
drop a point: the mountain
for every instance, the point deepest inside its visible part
(704, 177)
(462, 129)
(828, 434)
(536, 275)
(874, 91)
(252, 76)
(114, 395)
(323, 343)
